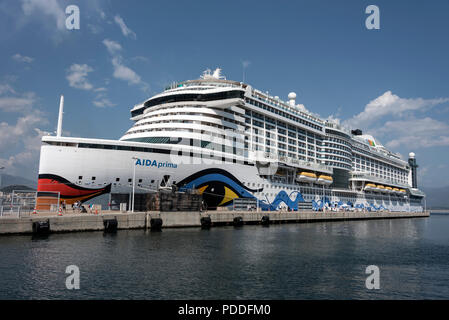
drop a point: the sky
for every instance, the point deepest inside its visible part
(391, 82)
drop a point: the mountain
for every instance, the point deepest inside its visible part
(8, 180)
(437, 198)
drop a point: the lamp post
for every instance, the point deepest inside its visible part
(322, 202)
(134, 182)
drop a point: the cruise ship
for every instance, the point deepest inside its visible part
(228, 140)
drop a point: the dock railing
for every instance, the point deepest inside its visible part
(15, 211)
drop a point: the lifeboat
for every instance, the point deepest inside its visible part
(402, 191)
(370, 187)
(396, 190)
(306, 177)
(323, 179)
(380, 188)
(389, 189)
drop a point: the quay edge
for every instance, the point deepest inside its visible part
(141, 220)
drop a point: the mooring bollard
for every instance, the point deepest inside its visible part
(156, 223)
(110, 225)
(238, 221)
(265, 220)
(41, 227)
(206, 222)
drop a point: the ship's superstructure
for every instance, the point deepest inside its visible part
(229, 140)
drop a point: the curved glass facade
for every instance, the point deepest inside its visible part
(183, 97)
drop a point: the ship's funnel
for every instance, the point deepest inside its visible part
(61, 111)
(413, 177)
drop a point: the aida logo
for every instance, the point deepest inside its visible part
(371, 143)
(154, 163)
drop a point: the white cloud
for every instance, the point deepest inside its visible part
(415, 133)
(24, 134)
(103, 102)
(47, 7)
(127, 32)
(25, 162)
(124, 73)
(6, 88)
(95, 29)
(19, 58)
(334, 118)
(390, 104)
(400, 122)
(77, 76)
(140, 58)
(11, 134)
(20, 141)
(121, 71)
(16, 103)
(112, 46)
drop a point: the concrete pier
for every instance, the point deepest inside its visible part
(141, 220)
(439, 211)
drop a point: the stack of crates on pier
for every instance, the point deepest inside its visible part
(152, 201)
(161, 200)
(179, 201)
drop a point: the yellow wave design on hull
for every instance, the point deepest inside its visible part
(229, 195)
(201, 190)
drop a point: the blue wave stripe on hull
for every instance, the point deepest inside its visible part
(219, 177)
(282, 196)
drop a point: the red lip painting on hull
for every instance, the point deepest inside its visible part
(49, 185)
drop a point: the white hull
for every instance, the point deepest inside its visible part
(96, 169)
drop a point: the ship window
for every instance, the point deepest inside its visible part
(152, 181)
(140, 180)
(80, 177)
(93, 178)
(117, 179)
(129, 180)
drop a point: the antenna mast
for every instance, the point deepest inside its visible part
(61, 111)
